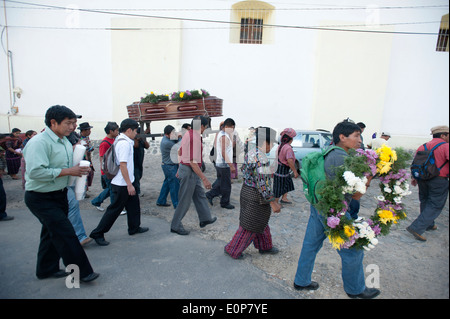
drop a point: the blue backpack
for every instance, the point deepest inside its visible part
(424, 166)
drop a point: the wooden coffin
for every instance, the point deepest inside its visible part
(170, 110)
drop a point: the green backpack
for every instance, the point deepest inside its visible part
(313, 175)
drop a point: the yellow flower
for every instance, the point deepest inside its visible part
(383, 168)
(394, 155)
(336, 241)
(349, 230)
(181, 94)
(387, 216)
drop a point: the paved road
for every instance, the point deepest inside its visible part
(155, 264)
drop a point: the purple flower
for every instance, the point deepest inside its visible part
(333, 221)
(376, 229)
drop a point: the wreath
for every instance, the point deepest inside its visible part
(354, 176)
(175, 96)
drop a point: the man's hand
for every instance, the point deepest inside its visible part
(206, 183)
(76, 171)
(131, 190)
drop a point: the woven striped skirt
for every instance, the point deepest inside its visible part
(282, 181)
(13, 164)
(243, 238)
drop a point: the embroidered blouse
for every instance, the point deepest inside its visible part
(257, 172)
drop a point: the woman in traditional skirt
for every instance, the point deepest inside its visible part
(256, 199)
(282, 180)
(13, 153)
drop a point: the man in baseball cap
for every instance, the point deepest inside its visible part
(433, 193)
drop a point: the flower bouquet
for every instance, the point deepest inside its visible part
(352, 180)
(175, 96)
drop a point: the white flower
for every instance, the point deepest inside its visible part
(350, 178)
(398, 199)
(381, 198)
(374, 241)
(398, 190)
(387, 190)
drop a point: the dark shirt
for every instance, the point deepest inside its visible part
(166, 147)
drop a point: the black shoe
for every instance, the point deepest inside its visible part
(203, 224)
(228, 206)
(271, 251)
(210, 200)
(90, 277)
(368, 293)
(58, 274)
(139, 231)
(312, 286)
(181, 231)
(163, 205)
(4, 219)
(101, 241)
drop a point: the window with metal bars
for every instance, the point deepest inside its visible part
(251, 31)
(442, 42)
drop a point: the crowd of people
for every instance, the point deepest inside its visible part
(47, 165)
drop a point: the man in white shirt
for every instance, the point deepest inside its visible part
(124, 193)
(224, 165)
(379, 141)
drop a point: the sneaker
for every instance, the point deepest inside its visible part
(123, 212)
(100, 208)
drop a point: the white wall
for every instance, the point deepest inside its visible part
(280, 84)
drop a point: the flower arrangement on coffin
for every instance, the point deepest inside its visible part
(354, 177)
(175, 96)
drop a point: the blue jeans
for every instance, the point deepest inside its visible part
(97, 201)
(352, 259)
(74, 214)
(170, 185)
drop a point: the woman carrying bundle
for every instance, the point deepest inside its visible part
(256, 199)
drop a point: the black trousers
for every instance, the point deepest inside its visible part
(58, 238)
(121, 200)
(222, 185)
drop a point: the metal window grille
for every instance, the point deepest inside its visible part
(251, 31)
(442, 42)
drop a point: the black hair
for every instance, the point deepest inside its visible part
(203, 120)
(186, 126)
(128, 123)
(438, 135)
(346, 128)
(265, 134)
(361, 124)
(285, 139)
(168, 129)
(29, 133)
(111, 126)
(229, 122)
(58, 113)
(14, 130)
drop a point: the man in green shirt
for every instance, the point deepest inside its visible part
(49, 164)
